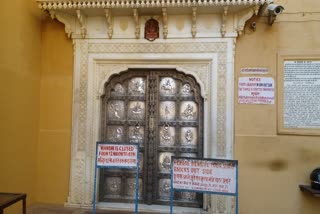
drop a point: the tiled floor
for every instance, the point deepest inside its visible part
(55, 209)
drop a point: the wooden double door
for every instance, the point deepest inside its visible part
(162, 111)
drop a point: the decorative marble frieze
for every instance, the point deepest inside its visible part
(83, 4)
(177, 19)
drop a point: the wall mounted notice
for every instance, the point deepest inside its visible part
(113, 155)
(256, 90)
(204, 175)
(301, 94)
(253, 70)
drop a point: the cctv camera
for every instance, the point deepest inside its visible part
(275, 9)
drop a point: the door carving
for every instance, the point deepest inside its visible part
(162, 111)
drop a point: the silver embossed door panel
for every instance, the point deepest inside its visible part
(162, 111)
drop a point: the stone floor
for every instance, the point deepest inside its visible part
(60, 209)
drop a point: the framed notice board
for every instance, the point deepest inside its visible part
(298, 93)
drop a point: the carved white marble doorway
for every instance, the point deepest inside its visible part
(208, 61)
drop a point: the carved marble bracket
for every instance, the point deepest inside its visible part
(137, 23)
(224, 19)
(194, 22)
(108, 14)
(165, 22)
(243, 16)
(82, 21)
(66, 19)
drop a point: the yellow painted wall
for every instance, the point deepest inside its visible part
(271, 166)
(53, 157)
(19, 92)
(35, 111)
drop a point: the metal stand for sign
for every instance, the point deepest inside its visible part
(217, 193)
(97, 167)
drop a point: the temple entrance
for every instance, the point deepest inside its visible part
(162, 111)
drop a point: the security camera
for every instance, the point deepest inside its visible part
(275, 9)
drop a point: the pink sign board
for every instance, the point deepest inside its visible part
(205, 175)
(114, 155)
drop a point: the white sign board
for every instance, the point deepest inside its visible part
(301, 98)
(256, 90)
(204, 175)
(113, 155)
(252, 70)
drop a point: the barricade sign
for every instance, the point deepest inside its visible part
(213, 176)
(117, 156)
